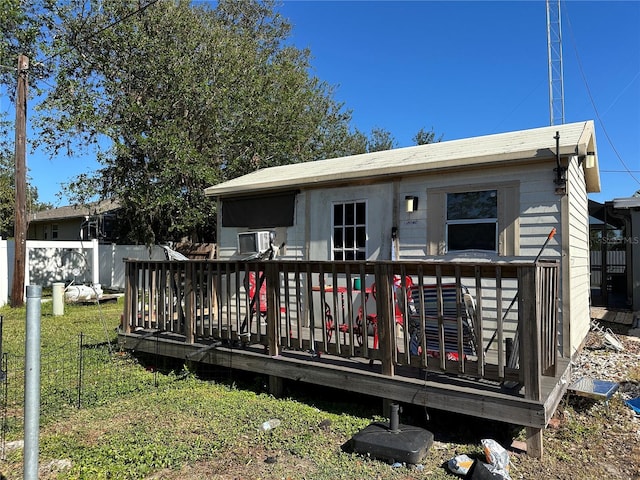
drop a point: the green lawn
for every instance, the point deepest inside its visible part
(142, 418)
(167, 422)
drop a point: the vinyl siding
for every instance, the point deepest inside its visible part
(578, 274)
(537, 209)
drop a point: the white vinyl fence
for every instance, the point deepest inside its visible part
(80, 262)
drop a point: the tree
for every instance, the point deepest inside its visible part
(380, 140)
(19, 34)
(424, 137)
(8, 196)
(185, 96)
(20, 29)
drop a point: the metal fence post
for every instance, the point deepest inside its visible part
(32, 383)
(80, 366)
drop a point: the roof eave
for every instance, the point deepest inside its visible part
(377, 174)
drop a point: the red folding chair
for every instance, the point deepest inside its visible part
(372, 318)
(257, 303)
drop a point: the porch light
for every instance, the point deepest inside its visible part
(411, 203)
(590, 161)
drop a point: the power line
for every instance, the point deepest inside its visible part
(107, 27)
(595, 109)
(623, 91)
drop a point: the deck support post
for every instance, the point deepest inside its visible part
(276, 386)
(534, 442)
(384, 302)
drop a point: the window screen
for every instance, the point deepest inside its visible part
(263, 211)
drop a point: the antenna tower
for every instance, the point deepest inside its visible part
(554, 49)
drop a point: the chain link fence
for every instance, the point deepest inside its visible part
(83, 373)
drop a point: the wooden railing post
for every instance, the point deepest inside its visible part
(384, 302)
(530, 355)
(128, 297)
(272, 278)
(189, 303)
(529, 324)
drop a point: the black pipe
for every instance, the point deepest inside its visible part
(560, 177)
(394, 419)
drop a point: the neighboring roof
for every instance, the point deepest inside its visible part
(69, 212)
(628, 202)
(524, 145)
(598, 215)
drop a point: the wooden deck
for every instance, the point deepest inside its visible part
(619, 316)
(198, 311)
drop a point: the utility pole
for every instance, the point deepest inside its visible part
(21, 223)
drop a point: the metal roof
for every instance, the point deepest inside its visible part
(523, 145)
(628, 202)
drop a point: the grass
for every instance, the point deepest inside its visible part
(154, 422)
(139, 421)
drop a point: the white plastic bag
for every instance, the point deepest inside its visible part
(497, 458)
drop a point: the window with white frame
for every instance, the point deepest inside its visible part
(472, 221)
(349, 236)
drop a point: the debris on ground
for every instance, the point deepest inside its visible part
(609, 339)
(460, 465)
(270, 424)
(497, 465)
(634, 404)
(497, 458)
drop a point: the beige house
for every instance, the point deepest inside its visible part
(494, 198)
(75, 223)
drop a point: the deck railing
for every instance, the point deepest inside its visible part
(362, 310)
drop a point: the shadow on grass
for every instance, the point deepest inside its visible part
(447, 427)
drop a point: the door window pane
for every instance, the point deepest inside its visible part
(349, 231)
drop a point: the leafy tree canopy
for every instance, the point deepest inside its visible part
(380, 140)
(176, 97)
(187, 96)
(423, 137)
(8, 196)
(20, 29)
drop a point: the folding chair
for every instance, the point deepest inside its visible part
(372, 318)
(257, 300)
(424, 311)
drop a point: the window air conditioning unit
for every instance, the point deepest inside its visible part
(253, 242)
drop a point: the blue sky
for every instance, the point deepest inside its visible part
(464, 69)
